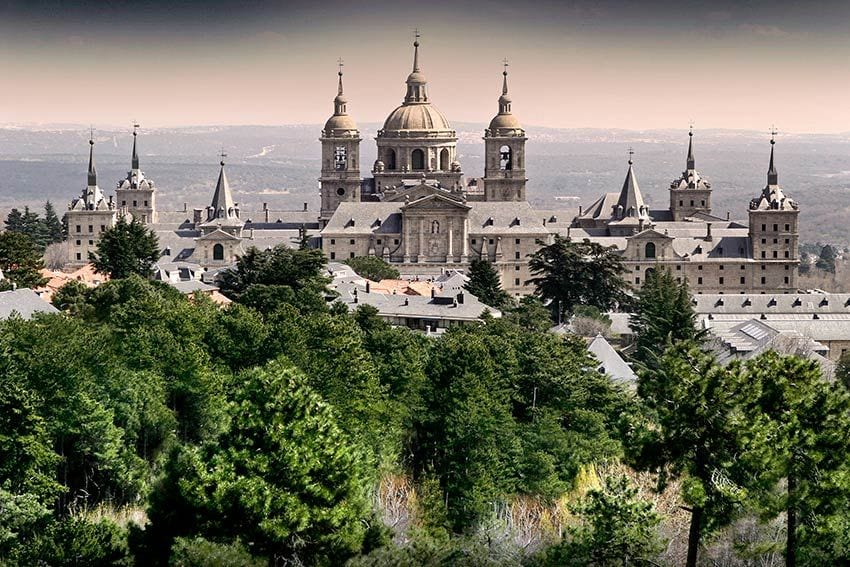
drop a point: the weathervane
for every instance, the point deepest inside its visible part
(341, 64)
(223, 155)
(631, 153)
(773, 133)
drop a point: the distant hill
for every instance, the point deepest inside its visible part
(280, 164)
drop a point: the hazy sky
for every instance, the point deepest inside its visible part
(743, 64)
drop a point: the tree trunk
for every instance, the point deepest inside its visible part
(791, 536)
(694, 535)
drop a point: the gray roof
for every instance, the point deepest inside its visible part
(23, 302)
(752, 337)
(807, 304)
(416, 306)
(610, 362)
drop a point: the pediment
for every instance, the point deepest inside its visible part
(413, 193)
(218, 234)
(651, 234)
(436, 202)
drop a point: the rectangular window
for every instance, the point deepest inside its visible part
(721, 280)
(333, 255)
(146, 203)
(102, 227)
(721, 266)
(775, 254)
(123, 203)
(763, 267)
(776, 228)
(516, 255)
(351, 241)
(776, 241)
(787, 228)
(79, 228)
(699, 267)
(763, 227)
(678, 268)
(516, 281)
(742, 267)
(135, 203)
(91, 228)
(764, 240)
(379, 241)
(787, 241)
(763, 280)
(637, 281)
(787, 253)
(743, 280)
(395, 241)
(491, 241)
(692, 202)
(333, 240)
(681, 203)
(699, 280)
(91, 242)
(763, 255)
(516, 241)
(516, 268)
(703, 203)
(79, 242)
(787, 267)
(351, 254)
(679, 280)
(786, 279)
(79, 256)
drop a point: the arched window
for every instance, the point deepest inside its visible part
(435, 227)
(218, 252)
(417, 159)
(444, 159)
(391, 163)
(650, 250)
(505, 158)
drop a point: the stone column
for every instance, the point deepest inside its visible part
(421, 257)
(450, 256)
(406, 237)
(464, 258)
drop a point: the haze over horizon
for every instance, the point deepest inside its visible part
(606, 64)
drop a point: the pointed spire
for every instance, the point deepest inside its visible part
(135, 158)
(340, 101)
(772, 174)
(416, 82)
(505, 99)
(222, 203)
(92, 169)
(691, 161)
(416, 51)
(631, 202)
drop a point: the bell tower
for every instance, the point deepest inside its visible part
(504, 151)
(340, 180)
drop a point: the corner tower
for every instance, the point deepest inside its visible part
(504, 151)
(136, 193)
(340, 180)
(416, 140)
(89, 215)
(690, 193)
(774, 233)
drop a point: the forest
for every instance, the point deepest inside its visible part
(139, 427)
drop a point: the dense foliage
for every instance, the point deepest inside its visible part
(20, 261)
(126, 248)
(486, 284)
(373, 268)
(265, 433)
(568, 274)
(42, 231)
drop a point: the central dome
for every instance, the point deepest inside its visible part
(416, 117)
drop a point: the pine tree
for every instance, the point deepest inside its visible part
(826, 260)
(126, 249)
(485, 284)
(53, 226)
(14, 221)
(20, 261)
(663, 315)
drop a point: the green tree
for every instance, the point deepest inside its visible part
(71, 297)
(808, 421)
(568, 274)
(826, 259)
(268, 279)
(53, 228)
(283, 476)
(530, 314)
(15, 221)
(697, 431)
(125, 249)
(20, 261)
(663, 315)
(486, 284)
(617, 528)
(373, 268)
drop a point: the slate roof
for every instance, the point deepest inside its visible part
(23, 302)
(415, 306)
(610, 362)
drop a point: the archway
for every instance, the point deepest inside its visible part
(650, 250)
(444, 159)
(505, 158)
(417, 159)
(218, 252)
(391, 163)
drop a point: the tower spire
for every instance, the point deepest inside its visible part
(340, 101)
(340, 63)
(416, 82)
(416, 51)
(772, 174)
(505, 76)
(505, 99)
(135, 158)
(92, 170)
(691, 161)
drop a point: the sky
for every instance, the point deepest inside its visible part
(608, 64)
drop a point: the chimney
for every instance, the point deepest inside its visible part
(367, 286)
(185, 207)
(640, 225)
(305, 207)
(460, 298)
(708, 231)
(197, 216)
(265, 206)
(579, 210)
(433, 293)
(406, 302)
(728, 215)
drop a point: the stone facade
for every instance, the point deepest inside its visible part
(137, 194)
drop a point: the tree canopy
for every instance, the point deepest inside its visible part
(20, 261)
(568, 274)
(126, 248)
(486, 284)
(373, 268)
